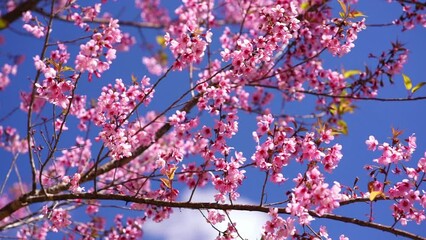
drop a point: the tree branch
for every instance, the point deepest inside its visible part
(105, 21)
(363, 98)
(16, 13)
(40, 197)
(309, 92)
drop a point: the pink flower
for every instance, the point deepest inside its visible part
(38, 63)
(422, 163)
(278, 178)
(342, 237)
(412, 142)
(111, 54)
(155, 65)
(66, 180)
(215, 217)
(89, 57)
(152, 12)
(4, 75)
(37, 31)
(412, 173)
(58, 124)
(26, 16)
(277, 227)
(45, 210)
(74, 184)
(91, 12)
(59, 219)
(11, 141)
(323, 232)
(92, 208)
(327, 136)
(372, 143)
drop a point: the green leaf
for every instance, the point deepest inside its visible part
(161, 41)
(67, 68)
(134, 80)
(407, 82)
(304, 5)
(3, 23)
(333, 109)
(350, 73)
(162, 57)
(343, 6)
(166, 182)
(343, 127)
(171, 173)
(417, 87)
(355, 14)
(376, 194)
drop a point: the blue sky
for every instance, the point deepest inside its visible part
(371, 118)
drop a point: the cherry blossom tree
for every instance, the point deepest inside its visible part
(205, 105)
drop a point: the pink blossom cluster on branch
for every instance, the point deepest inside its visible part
(93, 143)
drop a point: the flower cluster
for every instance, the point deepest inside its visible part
(214, 217)
(6, 70)
(11, 141)
(194, 176)
(412, 15)
(32, 25)
(101, 44)
(78, 156)
(73, 182)
(232, 178)
(340, 42)
(156, 64)
(78, 109)
(59, 218)
(230, 232)
(392, 154)
(312, 191)
(278, 228)
(279, 25)
(188, 47)
(395, 66)
(127, 41)
(87, 13)
(114, 105)
(40, 232)
(132, 229)
(187, 40)
(55, 88)
(90, 228)
(151, 12)
(405, 193)
(407, 198)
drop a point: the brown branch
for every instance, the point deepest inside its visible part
(105, 21)
(309, 92)
(33, 96)
(127, 23)
(363, 98)
(16, 13)
(40, 197)
(380, 24)
(361, 200)
(373, 225)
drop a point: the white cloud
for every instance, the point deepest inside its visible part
(190, 224)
